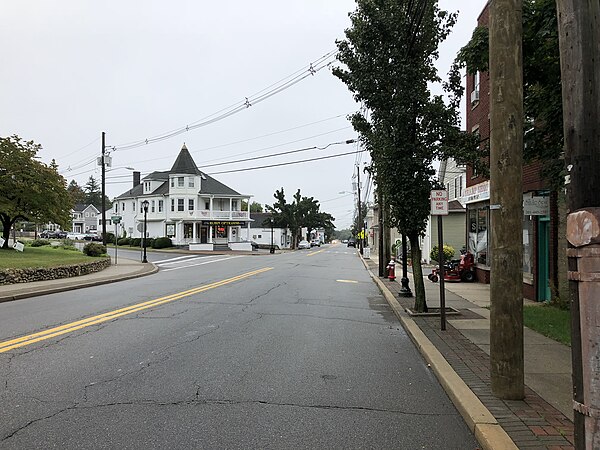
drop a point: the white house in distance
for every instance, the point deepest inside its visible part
(186, 205)
(260, 232)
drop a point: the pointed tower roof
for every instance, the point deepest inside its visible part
(185, 163)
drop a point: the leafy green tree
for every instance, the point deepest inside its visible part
(254, 207)
(93, 194)
(542, 98)
(302, 212)
(29, 189)
(77, 193)
(388, 64)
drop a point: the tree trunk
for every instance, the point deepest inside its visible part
(415, 252)
(506, 200)
(6, 226)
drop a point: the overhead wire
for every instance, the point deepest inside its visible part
(312, 69)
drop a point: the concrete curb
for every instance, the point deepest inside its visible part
(489, 434)
(72, 286)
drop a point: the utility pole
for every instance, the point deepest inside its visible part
(104, 188)
(506, 199)
(579, 34)
(360, 224)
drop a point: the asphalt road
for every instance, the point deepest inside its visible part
(295, 350)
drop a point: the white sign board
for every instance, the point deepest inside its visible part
(439, 202)
(1, 242)
(18, 247)
(536, 206)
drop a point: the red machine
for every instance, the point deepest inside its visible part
(457, 270)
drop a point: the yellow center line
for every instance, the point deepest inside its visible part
(318, 251)
(100, 318)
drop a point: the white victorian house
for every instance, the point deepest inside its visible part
(186, 205)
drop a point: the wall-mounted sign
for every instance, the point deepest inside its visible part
(536, 206)
(439, 202)
(477, 193)
(222, 223)
(170, 229)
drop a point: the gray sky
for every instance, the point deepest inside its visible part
(135, 70)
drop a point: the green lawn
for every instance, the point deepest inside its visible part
(551, 322)
(40, 257)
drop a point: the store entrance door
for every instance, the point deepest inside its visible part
(543, 279)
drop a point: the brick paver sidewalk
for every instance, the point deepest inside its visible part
(531, 423)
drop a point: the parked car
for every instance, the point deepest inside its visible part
(315, 243)
(344, 241)
(75, 236)
(47, 234)
(303, 245)
(352, 243)
(61, 234)
(92, 237)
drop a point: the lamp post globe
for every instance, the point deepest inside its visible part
(145, 204)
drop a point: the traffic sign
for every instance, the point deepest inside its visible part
(115, 219)
(439, 202)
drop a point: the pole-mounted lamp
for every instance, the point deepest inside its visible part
(145, 204)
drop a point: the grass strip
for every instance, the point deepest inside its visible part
(551, 322)
(45, 256)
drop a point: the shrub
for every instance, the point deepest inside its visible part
(149, 242)
(110, 238)
(67, 247)
(136, 242)
(94, 249)
(40, 243)
(124, 241)
(162, 242)
(448, 253)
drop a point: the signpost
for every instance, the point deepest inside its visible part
(116, 220)
(439, 208)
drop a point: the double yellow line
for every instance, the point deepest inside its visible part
(105, 317)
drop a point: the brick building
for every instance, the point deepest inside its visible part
(540, 219)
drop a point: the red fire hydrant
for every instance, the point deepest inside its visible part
(391, 268)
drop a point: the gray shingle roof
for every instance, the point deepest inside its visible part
(184, 164)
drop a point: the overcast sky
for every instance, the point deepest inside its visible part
(74, 68)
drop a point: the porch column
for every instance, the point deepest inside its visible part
(211, 213)
(230, 203)
(194, 232)
(210, 230)
(248, 229)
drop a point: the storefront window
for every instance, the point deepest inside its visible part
(478, 234)
(188, 230)
(220, 232)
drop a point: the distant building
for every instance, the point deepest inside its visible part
(85, 218)
(186, 205)
(260, 232)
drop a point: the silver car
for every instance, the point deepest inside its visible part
(303, 245)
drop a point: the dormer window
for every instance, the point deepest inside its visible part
(146, 186)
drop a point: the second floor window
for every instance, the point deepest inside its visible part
(133, 206)
(191, 182)
(206, 205)
(234, 205)
(160, 206)
(190, 204)
(172, 204)
(180, 204)
(152, 206)
(180, 182)
(122, 206)
(172, 182)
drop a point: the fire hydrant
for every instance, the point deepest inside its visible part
(391, 268)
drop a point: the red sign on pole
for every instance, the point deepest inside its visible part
(439, 202)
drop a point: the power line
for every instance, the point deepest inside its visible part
(312, 69)
(284, 164)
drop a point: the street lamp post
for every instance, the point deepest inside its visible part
(145, 204)
(272, 250)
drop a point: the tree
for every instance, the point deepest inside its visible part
(254, 207)
(542, 99)
(29, 189)
(93, 194)
(302, 212)
(77, 193)
(389, 56)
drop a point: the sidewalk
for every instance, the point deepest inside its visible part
(123, 270)
(460, 359)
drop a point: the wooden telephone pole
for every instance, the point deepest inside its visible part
(579, 37)
(506, 199)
